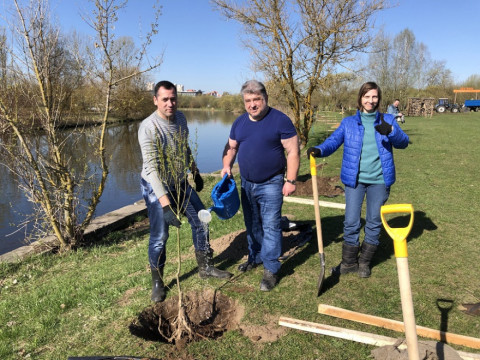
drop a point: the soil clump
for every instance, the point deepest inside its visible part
(210, 313)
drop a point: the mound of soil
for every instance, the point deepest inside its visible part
(210, 314)
(233, 247)
(327, 186)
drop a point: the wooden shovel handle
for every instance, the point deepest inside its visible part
(318, 222)
(407, 308)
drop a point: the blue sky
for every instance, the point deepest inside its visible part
(203, 50)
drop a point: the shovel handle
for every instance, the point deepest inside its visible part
(318, 223)
(313, 166)
(407, 308)
(399, 235)
(397, 208)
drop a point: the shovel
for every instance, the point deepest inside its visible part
(318, 223)
(399, 236)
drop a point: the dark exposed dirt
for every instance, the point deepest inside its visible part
(210, 313)
(327, 186)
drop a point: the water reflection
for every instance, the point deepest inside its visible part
(208, 129)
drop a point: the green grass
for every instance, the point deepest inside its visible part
(81, 303)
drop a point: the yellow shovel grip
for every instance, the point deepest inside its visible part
(313, 166)
(399, 235)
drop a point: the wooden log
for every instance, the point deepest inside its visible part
(443, 336)
(354, 335)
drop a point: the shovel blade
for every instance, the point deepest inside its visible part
(321, 277)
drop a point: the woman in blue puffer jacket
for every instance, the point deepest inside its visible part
(367, 170)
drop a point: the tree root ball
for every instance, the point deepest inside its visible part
(210, 313)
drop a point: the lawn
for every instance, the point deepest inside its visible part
(81, 303)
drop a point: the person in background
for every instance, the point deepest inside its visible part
(367, 171)
(260, 137)
(393, 109)
(155, 134)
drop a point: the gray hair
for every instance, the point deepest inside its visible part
(254, 87)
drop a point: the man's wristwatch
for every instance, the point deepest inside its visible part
(293, 182)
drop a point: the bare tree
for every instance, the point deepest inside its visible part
(380, 63)
(437, 75)
(472, 81)
(298, 43)
(41, 75)
(402, 66)
(131, 92)
(408, 62)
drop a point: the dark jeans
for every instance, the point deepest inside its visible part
(159, 228)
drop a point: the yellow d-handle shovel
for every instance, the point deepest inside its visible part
(399, 236)
(318, 223)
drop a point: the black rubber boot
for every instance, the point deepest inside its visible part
(349, 262)
(158, 287)
(206, 268)
(269, 280)
(366, 255)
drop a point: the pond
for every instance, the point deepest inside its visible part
(209, 130)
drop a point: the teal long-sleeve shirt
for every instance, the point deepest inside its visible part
(370, 171)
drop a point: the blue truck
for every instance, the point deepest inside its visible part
(471, 105)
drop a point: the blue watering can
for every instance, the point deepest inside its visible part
(226, 201)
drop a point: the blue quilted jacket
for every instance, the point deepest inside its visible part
(350, 133)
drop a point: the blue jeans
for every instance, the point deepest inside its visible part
(377, 195)
(262, 208)
(159, 228)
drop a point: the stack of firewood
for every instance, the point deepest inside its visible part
(420, 107)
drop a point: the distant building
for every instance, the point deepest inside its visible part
(214, 93)
(150, 86)
(189, 92)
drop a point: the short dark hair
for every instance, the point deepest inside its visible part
(166, 85)
(253, 87)
(366, 88)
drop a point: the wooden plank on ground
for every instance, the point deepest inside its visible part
(354, 335)
(342, 333)
(328, 204)
(390, 324)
